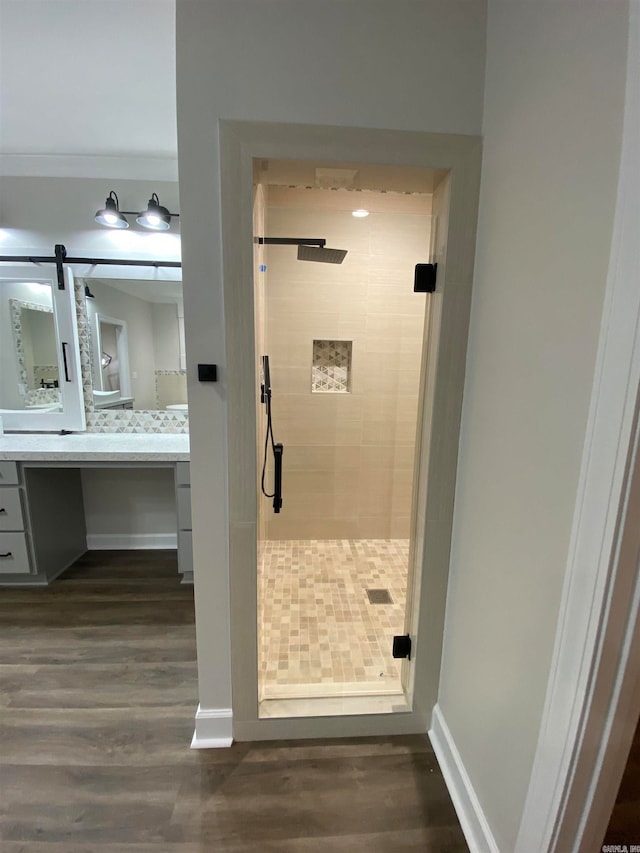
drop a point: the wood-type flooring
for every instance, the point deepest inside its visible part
(98, 690)
(624, 823)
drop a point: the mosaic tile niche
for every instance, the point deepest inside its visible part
(331, 368)
(118, 421)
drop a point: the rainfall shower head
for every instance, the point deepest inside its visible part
(321, 254)
(308, 249)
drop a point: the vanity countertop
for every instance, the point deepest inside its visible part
(95, 447)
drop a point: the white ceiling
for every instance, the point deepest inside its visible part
(87, 86)
(88, 91)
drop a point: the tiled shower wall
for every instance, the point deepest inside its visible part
(348, 456)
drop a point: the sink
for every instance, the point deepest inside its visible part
(106, 396)
(44, 407)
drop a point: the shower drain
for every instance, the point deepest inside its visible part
(379, 596)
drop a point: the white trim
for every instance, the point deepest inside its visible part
(579, 686)
(475, 825)
(131, 541)
(214, 728)
(122, 351)
(445, 361)
(333, 690)
(134, 168)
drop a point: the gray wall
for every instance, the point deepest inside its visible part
(552, 134)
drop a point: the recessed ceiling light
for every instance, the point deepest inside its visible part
(360, 213)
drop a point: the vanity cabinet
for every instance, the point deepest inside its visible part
(14, 557)
(42, 529)
(42, 507)
(183, 504)
(120, 403)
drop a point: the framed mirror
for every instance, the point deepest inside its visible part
(40, 377)
(136, 330)
(34, 344)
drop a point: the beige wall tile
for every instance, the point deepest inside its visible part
(398, 457)
(348, 458)
(376, 202)
(400, 527)
(328, 456)
(287, 380)
(319, 419)
(389, 419)
(374, 527)
(282, 527)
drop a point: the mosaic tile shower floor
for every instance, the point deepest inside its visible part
(318, 626)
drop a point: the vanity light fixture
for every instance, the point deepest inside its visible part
(156, 217)
(110, 215)
(87, 292)
(105, 359)
(360, 213)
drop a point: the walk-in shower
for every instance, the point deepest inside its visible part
(345, 345)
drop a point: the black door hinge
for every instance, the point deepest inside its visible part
(402, 646)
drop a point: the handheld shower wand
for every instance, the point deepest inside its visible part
(265, 397)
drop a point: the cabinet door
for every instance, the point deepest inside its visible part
(42, 387)
(11, 517)
(8, 473)
(14, 554)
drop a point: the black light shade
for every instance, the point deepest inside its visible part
(88, 293)
(156, 217)
(110, 215)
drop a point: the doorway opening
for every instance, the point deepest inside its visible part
(246, 150)
(112, 356)
(345, 344)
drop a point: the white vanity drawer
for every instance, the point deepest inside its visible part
(14, 554)
(183, 474)
(8, 473)
(184, 508)
(185, 551)
(11, 517)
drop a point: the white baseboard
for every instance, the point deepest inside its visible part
(214, 728)
(472, 819)
(131, 541)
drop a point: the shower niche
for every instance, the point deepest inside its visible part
(331, 367)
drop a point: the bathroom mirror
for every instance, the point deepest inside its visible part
(40, 384)
(34, 343)
(137, 344)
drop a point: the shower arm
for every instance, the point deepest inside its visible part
(291, 241)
